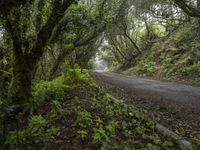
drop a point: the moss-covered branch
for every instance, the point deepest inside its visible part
(189, 10)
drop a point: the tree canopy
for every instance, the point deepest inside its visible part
(39, 39)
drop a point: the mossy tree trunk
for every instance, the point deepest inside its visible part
(26, 58)
(20, 88)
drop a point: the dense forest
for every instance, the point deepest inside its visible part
(49, 50)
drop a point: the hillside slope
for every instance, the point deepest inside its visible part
(176, 56)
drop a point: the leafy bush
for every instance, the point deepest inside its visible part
(51, 90)
(56, 108)
(83, 119)
(78, 77)
(146, 67)
(100, 136)
(37, 134)
(194, 69)
(55, 89)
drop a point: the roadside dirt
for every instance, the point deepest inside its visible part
(173, 105)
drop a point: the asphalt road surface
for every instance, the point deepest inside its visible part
(170, 91)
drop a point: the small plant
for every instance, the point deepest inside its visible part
(83, 134)
(147, 67)
(56, 107)
(128, 147)
(57, 111)
(109, 111)
(100, 136)
(84, 119)
(150, 68)
(155, 139)
(99, 122)
(38, 133)
(16, 139)
(140, 130)
(107, 97)
(152, 147)
(95, 103)
(150, 123)
(168, 144)
(111, 127)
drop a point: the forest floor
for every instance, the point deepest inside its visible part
(105, 123)
(174, 105)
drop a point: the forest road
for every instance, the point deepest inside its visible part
(146, 88)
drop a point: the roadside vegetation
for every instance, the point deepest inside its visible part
(48, 49)
(81, 116)
(175, 57)
(155, 39)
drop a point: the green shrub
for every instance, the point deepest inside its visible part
(146, 67)
(168, 144)
(53, 90)
(56, 107)
(84, 119)
(100, 136)
(78, 77)
(37, 134)
(152, 147)
(111, 127)
(193, 69)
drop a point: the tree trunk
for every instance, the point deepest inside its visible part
(134, 44)
(20, 88)
(188, 9)
(26, 60)
(59, 61)
(198, 7)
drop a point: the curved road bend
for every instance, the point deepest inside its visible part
(170, 91)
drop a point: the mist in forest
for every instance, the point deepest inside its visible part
(99, 64)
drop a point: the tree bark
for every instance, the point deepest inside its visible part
(58, 62)
(78, 43)
(25, 61)
(20, 88)
(134, 44)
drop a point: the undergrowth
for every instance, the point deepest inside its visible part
(74, 103)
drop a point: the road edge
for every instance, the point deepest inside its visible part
(160, 129)
(185, 145)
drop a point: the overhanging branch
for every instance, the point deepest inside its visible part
(189, 10)
(44, 35)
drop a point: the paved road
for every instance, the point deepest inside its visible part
(171, 91)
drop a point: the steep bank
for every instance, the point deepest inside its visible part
(175, 57)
